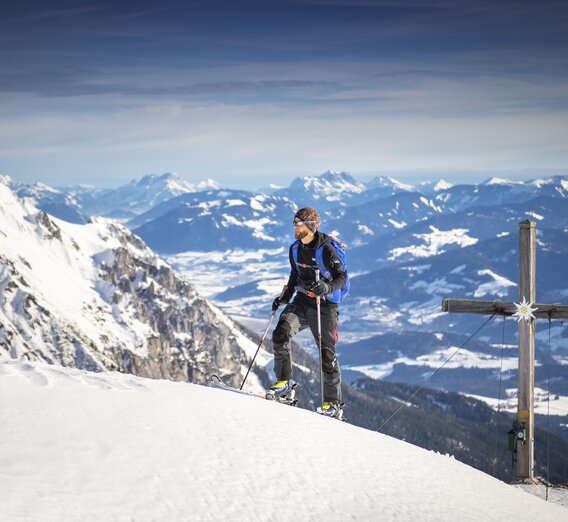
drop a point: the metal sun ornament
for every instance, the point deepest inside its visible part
(524, 310)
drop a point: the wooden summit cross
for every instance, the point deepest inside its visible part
(523, 426)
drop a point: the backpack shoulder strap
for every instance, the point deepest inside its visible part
(321, 265)
(295, 247)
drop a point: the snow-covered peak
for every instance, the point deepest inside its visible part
(500, 181)
(169, 181)
(6, 180)
(172, 182)
(431, 187)
(11, 207)
(208, 184)
(141, 195)
(40, 191)
(441, 184)
(135, 197)
(177, 185)
(332, 182)
(561, 181)
(386, 182)
(45, 188)
(329, 187)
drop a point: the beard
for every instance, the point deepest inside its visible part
(301, 234)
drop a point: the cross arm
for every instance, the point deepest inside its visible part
(508, 308)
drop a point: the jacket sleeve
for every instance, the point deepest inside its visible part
(331, 261)
(292, 280)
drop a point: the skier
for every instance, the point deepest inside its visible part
(301, 313)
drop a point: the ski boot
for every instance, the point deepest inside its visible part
(333, 410)
(284, 392)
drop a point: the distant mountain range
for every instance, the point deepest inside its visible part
(77, 204)
(216, 220)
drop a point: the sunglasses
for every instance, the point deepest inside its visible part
(297, 223)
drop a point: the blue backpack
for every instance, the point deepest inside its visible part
(338, 295)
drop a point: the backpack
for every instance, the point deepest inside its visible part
(339, 295)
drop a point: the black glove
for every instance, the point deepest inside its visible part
(283, 298)
(277, 303)
(320, 288)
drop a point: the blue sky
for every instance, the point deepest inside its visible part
(251, 93)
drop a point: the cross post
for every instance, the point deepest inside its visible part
(523, 426)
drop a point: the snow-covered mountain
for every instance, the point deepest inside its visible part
(431, 187)
(95, 296)
(358, 225)
(217, 219)
(497, 191)
(80, 446)
(137, 196)
(391, 184)
(327, 190)
(428, 230)
(77, 204)
(58, 202)
(212, 220)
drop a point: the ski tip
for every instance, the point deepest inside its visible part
(215, 380)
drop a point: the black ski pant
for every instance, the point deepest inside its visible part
(300, 314)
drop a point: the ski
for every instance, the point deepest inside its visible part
(217, 382)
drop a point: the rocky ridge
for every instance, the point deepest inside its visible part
(96, 297)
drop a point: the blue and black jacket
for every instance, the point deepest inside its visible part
(301, 277)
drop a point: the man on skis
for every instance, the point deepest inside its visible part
(312, 252)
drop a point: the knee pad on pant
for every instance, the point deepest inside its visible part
(281, 333)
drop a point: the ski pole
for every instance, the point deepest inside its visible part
(318, 302)
(261, 343)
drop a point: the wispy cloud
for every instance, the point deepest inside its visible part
(222, 140)
(83, 82)
(65, 13)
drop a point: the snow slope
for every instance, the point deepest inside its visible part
(59, 263)
(114, 447)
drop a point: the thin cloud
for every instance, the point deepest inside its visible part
(82, 82)
(140, 14)
(51, 14)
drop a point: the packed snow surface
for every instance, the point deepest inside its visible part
(113, 447)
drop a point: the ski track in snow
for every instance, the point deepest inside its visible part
(114, 447)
